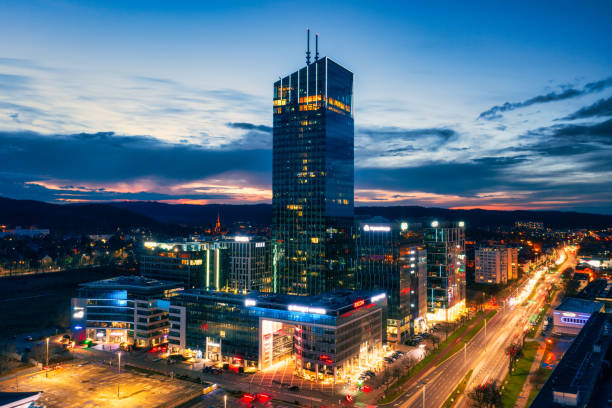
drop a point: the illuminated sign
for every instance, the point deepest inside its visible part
(250, 302)
(404, 226)
(568, 314)
(260, 245)
(78, 313)
(376, 298)
(241, 239)
(435, 224)
(306, 309)
(78, 327)
(461, 224)
(384, 228)
(359, 303)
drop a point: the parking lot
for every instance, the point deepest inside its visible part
(95, 385)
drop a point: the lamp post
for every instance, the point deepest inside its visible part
(225, 401)
(119, 373)
(47, 352)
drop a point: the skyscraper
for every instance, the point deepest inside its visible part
(313, 178)
(445, 271)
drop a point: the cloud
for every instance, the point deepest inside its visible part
(250, 126)
(568, 93)
(602, 107)
(105, 165)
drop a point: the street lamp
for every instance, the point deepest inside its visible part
(225, 401)
(119, 375)
(47, 352)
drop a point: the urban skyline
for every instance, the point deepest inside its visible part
(453, 110)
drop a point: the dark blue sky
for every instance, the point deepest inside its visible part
(486, 104)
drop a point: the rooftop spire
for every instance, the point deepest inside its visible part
(308, 46)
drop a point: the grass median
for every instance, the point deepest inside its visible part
(456, 339)
(514, 382)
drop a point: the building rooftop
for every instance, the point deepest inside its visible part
(574, 379)
(579, 306)
(327, 303)
(599, 288)
(130, 282)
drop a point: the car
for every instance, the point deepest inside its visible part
(28, 338)
(294, 388)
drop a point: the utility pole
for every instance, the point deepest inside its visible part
(423, 395)
(47, 353)
(119, 376)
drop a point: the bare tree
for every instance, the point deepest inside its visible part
(486, 396)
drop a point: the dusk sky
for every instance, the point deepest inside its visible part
(498, 105)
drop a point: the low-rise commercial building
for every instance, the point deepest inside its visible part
(328, 336)
(130, 310)
(572, 314)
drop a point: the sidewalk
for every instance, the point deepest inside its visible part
(521, 401)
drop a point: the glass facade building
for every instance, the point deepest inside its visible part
(446, 277)
(313, 179)
(200, 265)
(125, 309)
(249, 264)
(328, 336)
(391, 258)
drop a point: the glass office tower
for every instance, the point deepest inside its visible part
(313, 179)
(445, 271)
(389, 258)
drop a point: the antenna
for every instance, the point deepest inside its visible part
(317, 47)
(308, 46)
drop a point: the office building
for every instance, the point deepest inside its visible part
(328, 337)
(579, 380)
(390, 258)
(200, 265)
(129, 310)
(249, 264)
(445, 246)
(313, 179)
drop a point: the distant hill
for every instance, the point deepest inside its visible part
(261, 214)
(189, 214)
(74, 218)
(168, 218)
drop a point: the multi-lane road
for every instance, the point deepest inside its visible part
(485, 354)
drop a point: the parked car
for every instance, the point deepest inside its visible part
(294, 388)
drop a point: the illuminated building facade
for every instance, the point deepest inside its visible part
(390, 258)
(129, 310)
(329, 337)
(445, 246)
(199, 265)
(313, 179)
(249, 264)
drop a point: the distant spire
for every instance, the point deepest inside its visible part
(218, 224)
(317, 47)
(308, 46)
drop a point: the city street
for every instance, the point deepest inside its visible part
(485, 354)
